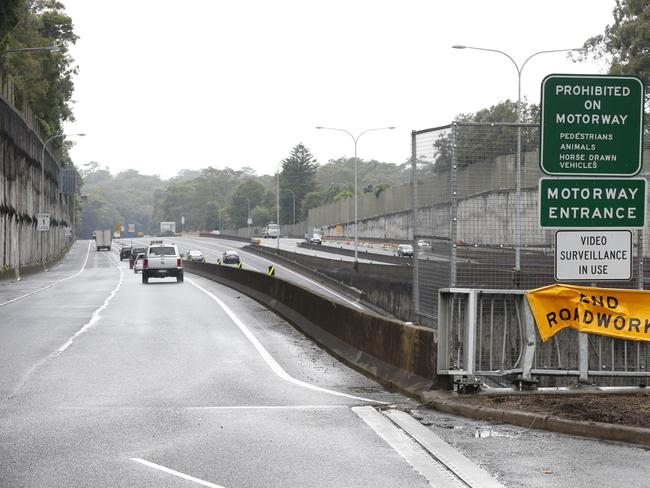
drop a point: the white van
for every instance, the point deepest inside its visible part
(271, 231)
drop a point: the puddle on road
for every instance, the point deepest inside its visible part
(482, 433)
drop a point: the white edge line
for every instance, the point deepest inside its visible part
(279, 266)
(272, 363)
(51, 284)
(175, 473)
(97, 313)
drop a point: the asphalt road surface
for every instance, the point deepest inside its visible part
(106, 382)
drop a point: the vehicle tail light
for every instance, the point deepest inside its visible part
(179, 263)
(145, 263)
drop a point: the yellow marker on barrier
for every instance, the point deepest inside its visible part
(239, 265)
(218, 261)
(271, 270)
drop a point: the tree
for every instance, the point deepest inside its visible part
(43, 79)
(625, 42)
(298, 175)
(248, 191)
(480, 143)
(312, 199)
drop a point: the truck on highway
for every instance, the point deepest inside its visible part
(313, 235)
(272, 231)
(167, 228)
(103, 239)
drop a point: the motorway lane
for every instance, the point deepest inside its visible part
(163, 374)
(214, 248)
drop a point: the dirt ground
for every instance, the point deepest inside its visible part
(631, 409)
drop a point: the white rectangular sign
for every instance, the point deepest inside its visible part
(593, 255)
(67, 231)
(43, 221)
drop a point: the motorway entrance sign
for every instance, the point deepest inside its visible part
(593, 255)
(591, 125)
(613, 203)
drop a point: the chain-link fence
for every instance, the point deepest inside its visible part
(475, 213)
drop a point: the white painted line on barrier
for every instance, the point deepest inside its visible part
(302, 277)
(175, 473)
(51, 284)
(94, 318)
(272, 363)
(435, 473)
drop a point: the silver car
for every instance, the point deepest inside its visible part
(137, 263)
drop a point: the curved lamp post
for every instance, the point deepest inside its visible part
(518, 172)
(41, 206)
(356, 215)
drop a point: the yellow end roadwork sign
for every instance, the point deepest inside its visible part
(624, 314)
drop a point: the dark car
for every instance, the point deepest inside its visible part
(125, 252)
(230, 257)
(134, 254)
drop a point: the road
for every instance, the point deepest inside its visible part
(212, 249)
(107, 382)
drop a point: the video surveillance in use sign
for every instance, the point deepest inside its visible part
(591, 125)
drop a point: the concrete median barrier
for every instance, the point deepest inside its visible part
(396, 354)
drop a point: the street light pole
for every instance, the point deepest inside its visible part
(356, 212)
(42, 199)
(277, 207)
(248, 218)
(518, 162)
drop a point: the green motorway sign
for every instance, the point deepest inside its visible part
(581, 203)
(591, 125)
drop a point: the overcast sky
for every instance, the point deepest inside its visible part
(166, 85)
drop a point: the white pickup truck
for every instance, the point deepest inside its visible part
(162, 260)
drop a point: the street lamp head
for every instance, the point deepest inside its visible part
(319, 127)
(459, 46)
(391, 128)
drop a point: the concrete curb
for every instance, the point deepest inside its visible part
(597, 430)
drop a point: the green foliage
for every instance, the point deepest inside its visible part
(9, 11)
(127, 198)
(475, 143)
(43, 79)
(625, 42)
(340, 172)
(312, 199)
(250, 191)
(298, 175)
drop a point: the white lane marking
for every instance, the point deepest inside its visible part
(272, 363)
(471, 473)
(309, 280)
(413, 453)
(97, 313)
(175, 473)
(51, 284)
(272, 407)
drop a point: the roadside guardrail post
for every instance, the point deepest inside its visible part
(271, 270)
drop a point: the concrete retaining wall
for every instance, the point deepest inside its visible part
(386, 287)
(20, 190)
(395, 354)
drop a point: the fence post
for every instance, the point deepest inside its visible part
(414, 227)
(453, 208)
